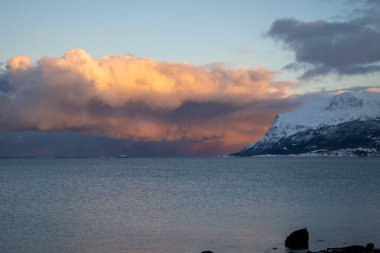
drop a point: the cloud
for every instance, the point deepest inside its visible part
(140, 99)
(69, 144)
(348, 47)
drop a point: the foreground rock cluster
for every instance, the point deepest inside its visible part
(370, 248)
(299, 241)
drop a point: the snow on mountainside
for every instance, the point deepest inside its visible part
(327, 110)
(319, 112)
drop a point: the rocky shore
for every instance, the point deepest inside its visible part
(369, 248)
(298, 242)
(349, 249)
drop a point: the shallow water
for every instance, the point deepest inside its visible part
(176, 205)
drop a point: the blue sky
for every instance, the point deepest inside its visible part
(199, 32)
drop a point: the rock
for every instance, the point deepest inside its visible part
(354, 249)
(370, 246)
(298, 239)
(358, 249)
(207, 251)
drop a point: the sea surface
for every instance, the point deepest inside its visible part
(172, 205)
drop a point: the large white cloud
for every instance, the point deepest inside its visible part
(139, 98)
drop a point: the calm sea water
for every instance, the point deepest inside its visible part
(186, 205)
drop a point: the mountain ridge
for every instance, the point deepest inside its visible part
(335, 124)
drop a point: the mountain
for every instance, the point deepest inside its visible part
(347, 123)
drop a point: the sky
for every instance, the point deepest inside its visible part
(171, 78)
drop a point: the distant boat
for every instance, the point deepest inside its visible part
(122, 156)
(60, 157)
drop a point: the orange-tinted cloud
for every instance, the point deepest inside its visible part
(142, 99)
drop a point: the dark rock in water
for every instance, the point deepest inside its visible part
(370, 246)
(298, 239)
(207, 251)
(358, 249)
(354, 249)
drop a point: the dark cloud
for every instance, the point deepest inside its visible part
(232, 128)
(226, 129)
(198, 112)
(4, 84)
(347, 47)
(71, 144)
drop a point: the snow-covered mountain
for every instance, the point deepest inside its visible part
(330, 123)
